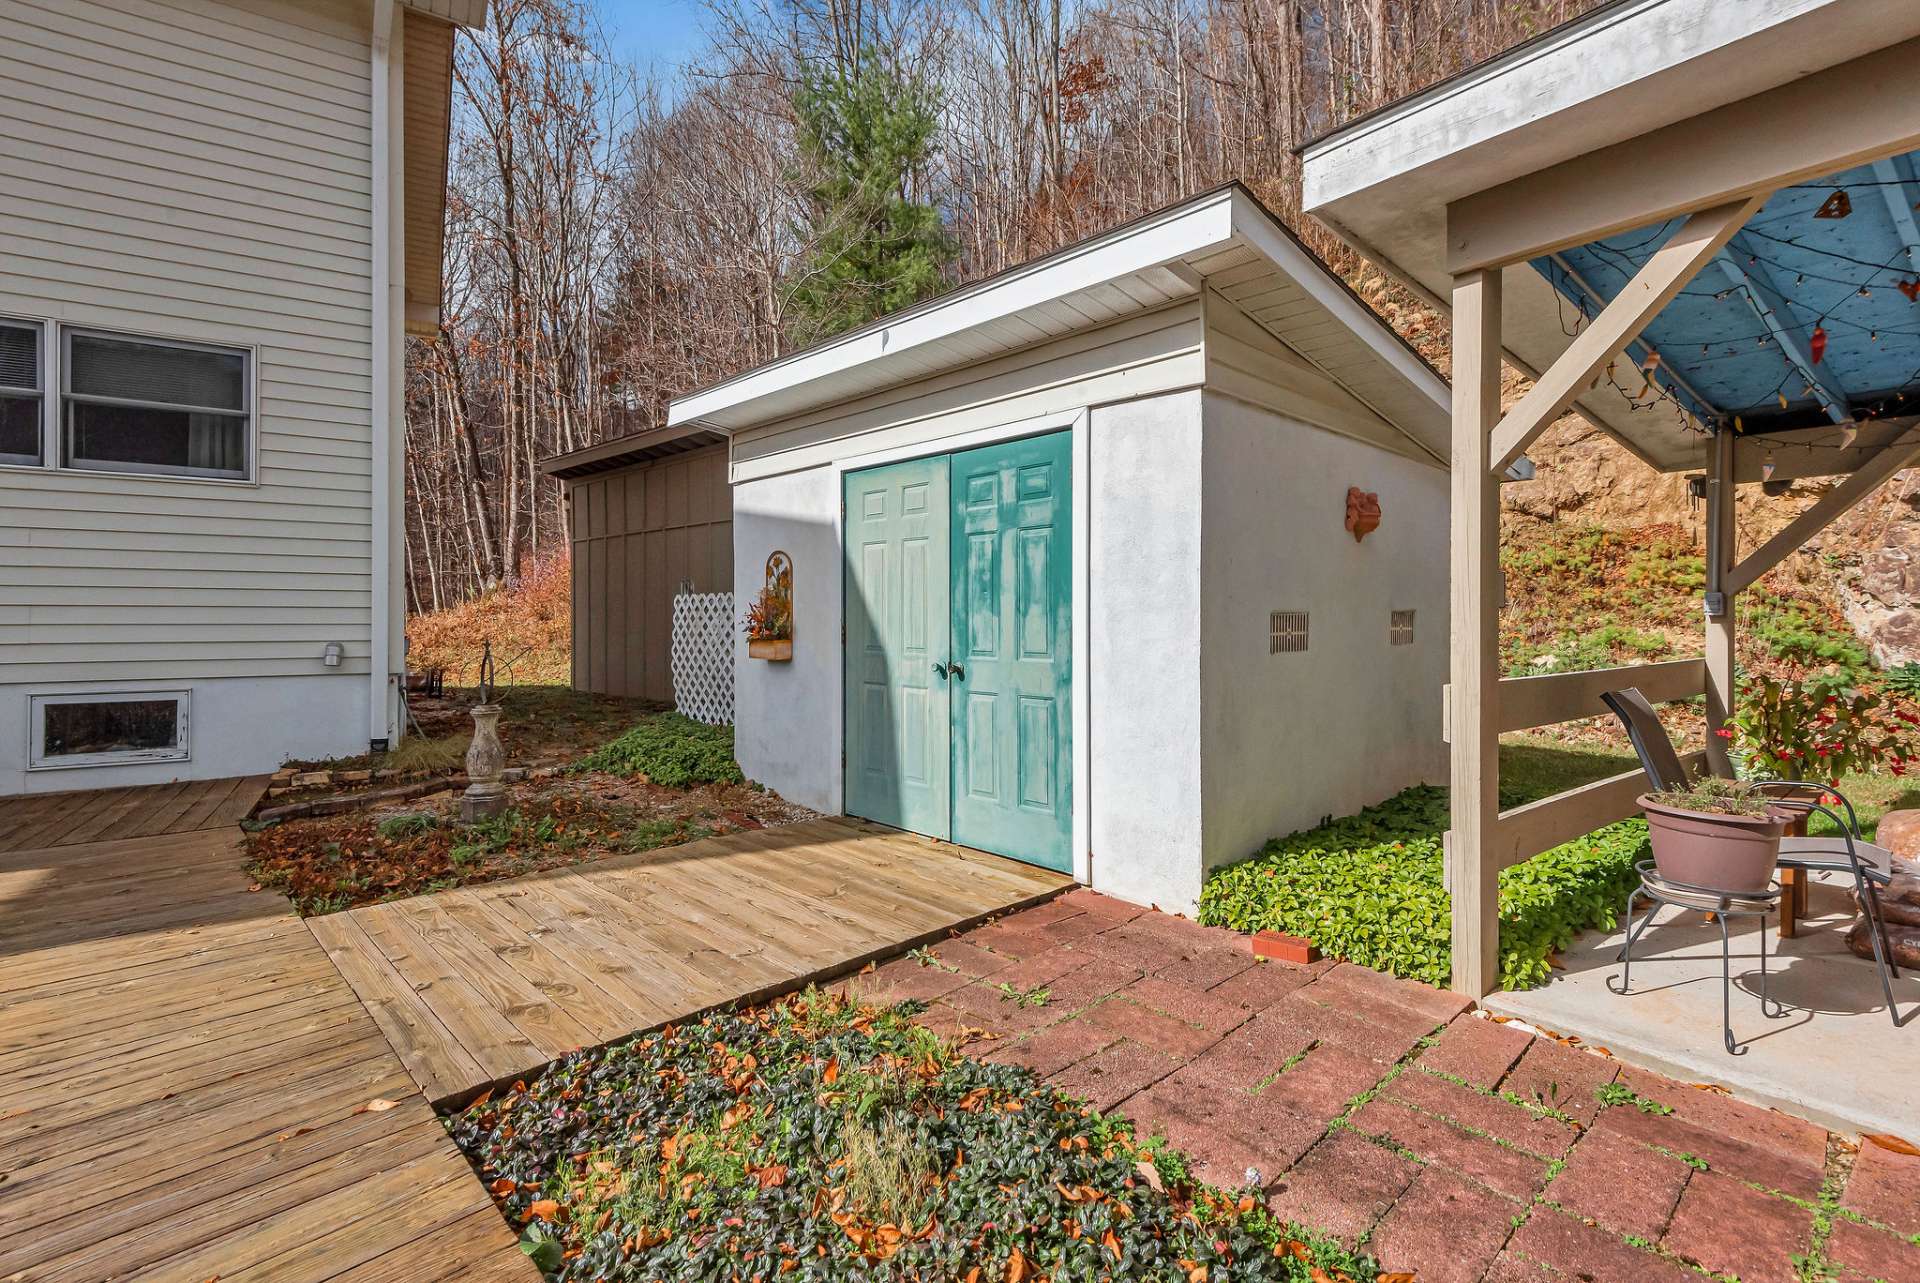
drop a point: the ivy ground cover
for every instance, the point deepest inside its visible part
(1370, 888)
(821, 1138)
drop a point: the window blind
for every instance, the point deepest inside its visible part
(20, 356)
(156, 373)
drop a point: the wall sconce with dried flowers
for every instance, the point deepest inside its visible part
(769, 621)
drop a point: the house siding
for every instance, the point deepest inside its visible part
(194, 169)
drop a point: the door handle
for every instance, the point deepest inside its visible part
(959, 673)
(940, 670)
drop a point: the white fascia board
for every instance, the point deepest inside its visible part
(461, 13)
(1329, 292)
(1184, 230)
(1605, 54)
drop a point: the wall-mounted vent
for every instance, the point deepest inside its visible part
(1400, 628)
(1288, 632)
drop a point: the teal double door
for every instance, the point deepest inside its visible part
(959, 666)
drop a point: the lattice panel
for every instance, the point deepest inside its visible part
(703, 656)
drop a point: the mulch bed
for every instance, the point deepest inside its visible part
(329, 863)
(820, 1138)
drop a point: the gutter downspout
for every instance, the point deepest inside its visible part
(387, 429)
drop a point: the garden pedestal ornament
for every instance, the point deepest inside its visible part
(486, 794)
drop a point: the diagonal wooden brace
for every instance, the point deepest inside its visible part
(1896, 455)
(1689, 249)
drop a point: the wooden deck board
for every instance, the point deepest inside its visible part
(186, 1070)
(482, 984)
(33, 821)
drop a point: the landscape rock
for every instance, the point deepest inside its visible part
(1899, 832)
(355, 777)
(312, 779)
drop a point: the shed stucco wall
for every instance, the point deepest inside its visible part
(1292, 738)
(787, 715)
(1144, 662)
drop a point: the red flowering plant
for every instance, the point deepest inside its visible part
(1818, 726)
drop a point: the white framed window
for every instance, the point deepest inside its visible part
(23, 392)
(155, 406)
(108, 728)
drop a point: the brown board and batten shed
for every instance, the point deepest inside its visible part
(648, 513)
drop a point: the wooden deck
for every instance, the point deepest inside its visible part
(184, 1076)
(480, 985)
(34, 820)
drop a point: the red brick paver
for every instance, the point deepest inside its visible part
(1388, 1114)
(1885, 1187)
(1477, 1051)
(1621, 1184)
(1732, 1228)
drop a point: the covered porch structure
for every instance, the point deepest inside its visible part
(1694, 224)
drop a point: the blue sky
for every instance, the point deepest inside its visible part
(656, 34)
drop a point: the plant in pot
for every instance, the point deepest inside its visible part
(1715, 833)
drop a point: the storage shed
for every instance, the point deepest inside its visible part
(1120, 562)
(649, 513)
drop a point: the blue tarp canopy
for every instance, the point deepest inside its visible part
(1810, 316)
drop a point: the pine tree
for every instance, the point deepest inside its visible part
(866, 138)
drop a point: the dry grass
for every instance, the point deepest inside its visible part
(529, 624)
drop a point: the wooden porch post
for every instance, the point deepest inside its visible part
(1720, 597)
(1474, 715)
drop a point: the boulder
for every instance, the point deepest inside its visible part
(1899, 832)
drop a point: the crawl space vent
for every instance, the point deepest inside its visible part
(1289, 632)
(1400, 628)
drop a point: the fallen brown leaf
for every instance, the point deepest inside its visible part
(1893, 1143)
(378, 1105)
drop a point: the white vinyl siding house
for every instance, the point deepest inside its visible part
(187, 197)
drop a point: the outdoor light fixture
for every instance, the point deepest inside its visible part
(332, 654)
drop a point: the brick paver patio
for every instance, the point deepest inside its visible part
(1391, 1115)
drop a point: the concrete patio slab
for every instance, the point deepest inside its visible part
(1835, 1059)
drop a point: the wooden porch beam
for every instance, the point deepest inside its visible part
(1526, 831)
(1527, 702)
(1830, 506)
(1721, 617)
(1473, 723)
(1846, 115)
(1607, 335)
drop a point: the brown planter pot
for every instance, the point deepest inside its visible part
(774, 648)
(1724, 852)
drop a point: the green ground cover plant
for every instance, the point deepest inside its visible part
(1370, 888)
(822, 1139)
(671, 750)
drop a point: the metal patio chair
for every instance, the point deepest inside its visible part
(1870, 865)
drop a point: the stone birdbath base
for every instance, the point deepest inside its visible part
(486, 794)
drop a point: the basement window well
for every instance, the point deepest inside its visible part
(109, 729)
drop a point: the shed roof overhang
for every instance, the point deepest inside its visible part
(1568, 160)
(1223, 239)
(626, 451)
